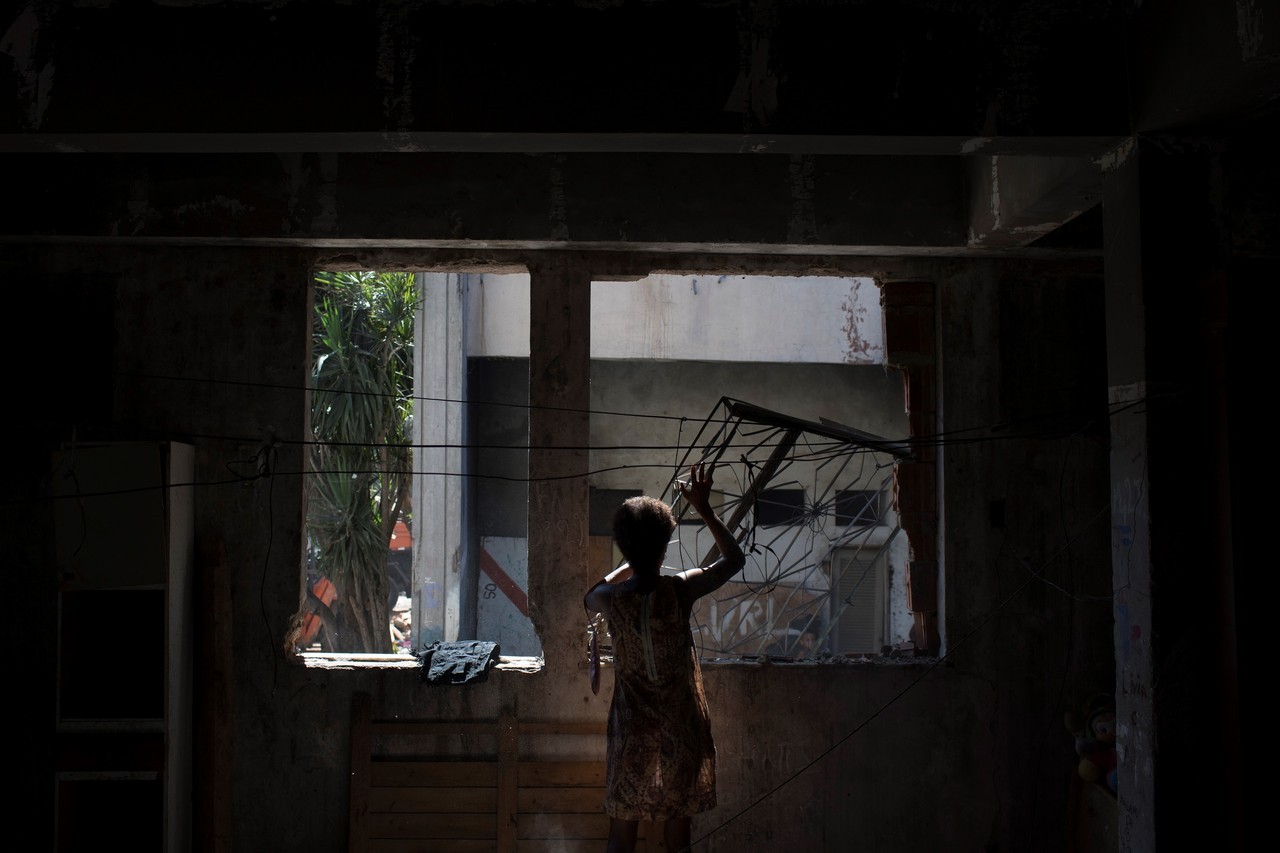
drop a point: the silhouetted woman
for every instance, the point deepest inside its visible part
(661, 763)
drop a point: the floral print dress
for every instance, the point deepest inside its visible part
(661, 757)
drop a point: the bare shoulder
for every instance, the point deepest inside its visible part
(692, 584)
(599, 598)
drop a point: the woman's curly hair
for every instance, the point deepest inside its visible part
(642, 527)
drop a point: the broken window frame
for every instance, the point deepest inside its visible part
(776, 437)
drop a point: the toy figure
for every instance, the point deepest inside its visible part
(1095, 741)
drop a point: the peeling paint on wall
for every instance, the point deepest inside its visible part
(138, 208)
(855, 317)
(1116, 157)
(807, 319)
(755, 90)
(396, 51)
(801, 227)
(1127, 393)
(221, 202)
(1249, 29)
(326, 220)
(35, 83)
(995, 193)
(559, 220)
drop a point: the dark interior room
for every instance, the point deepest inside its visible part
(984, 274)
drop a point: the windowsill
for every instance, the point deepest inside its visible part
(842, 661)
(335, 661)
(858, 661)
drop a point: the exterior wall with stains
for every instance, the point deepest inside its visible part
(732, 318)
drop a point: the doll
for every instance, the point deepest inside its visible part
(1095, 742)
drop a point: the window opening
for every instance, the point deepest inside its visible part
(859, 624)
(857, 506)
(802, 491)
(420, 425)
(811, 498)
(776, 507)
(357, 488)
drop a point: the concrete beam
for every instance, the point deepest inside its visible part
(1015, 200)
(427, 142)
(632, 201)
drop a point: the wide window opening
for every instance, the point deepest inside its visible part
(416, 493)
(782, 384)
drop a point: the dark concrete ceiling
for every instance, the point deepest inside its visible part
(927, 127)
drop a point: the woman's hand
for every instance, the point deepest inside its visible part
(730, 560)
(698, 490)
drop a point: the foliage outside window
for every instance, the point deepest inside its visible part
(357, 488)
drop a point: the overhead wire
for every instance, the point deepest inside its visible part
(977, 434)
(928, 670)
(835, 448)
(1004, 430)
(265, 468)
(818, 451)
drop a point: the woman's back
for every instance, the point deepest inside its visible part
(662, 761)
(661, 753)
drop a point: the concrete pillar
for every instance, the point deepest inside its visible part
(559, 398)
(1130, 494)
(1172, 565)
(439, 486)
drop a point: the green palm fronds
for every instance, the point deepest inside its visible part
(361, 416)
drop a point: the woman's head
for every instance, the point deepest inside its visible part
(642, 528)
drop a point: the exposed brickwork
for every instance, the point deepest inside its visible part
(910, 341)
(922, 586)
(917, 490)
(903, 293)
(909, 332)
(922, 394)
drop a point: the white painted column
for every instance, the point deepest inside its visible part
(439, 432)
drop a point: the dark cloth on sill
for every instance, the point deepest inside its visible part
(462, 662)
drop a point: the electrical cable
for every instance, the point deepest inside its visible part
(266, 464)
(271, 471)
(831, 453)
(892, 700)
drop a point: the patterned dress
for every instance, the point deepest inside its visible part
(661, 758)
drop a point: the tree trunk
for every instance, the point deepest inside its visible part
(366, 618)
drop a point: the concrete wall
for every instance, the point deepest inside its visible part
(210, 344)
(809, 320)
(174, 170)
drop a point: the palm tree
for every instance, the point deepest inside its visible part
(361, 414)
